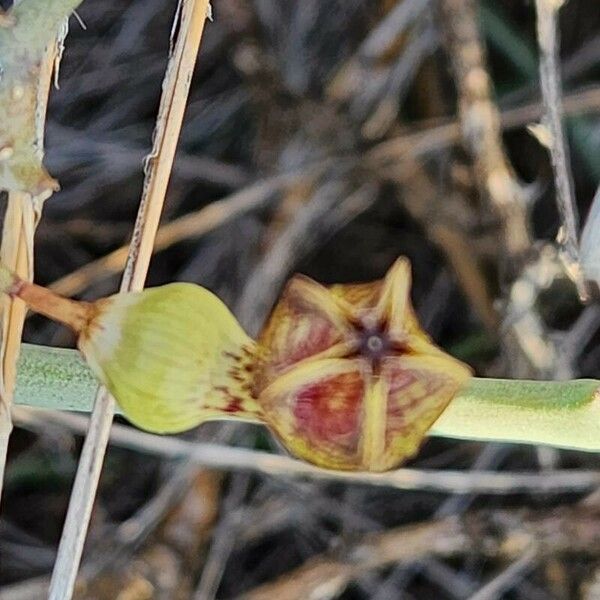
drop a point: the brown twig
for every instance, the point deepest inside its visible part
(224, 538)
(441, 133)
(309, 224)
(439, 220)
(523, 325)
(326, 576)
(171, 111)
(547, 36)
(216, 456)
(417, 142)
(480, 123)
(515, 535)
(183, 514)
(189, 226)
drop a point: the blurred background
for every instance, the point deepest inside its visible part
(328, 138)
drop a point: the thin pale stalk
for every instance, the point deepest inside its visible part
(548, 41)
(13, 252)
(175, 92)
(509, 577)
(16, 251)
(228, 458)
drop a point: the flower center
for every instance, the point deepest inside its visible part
(374, 343)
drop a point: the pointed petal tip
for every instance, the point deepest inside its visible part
(296, 287)
(400, 269)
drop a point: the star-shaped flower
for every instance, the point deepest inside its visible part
(351, 381)
(343, 375)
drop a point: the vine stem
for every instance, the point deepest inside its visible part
(564, 414)
(190, 18)
(23, 213)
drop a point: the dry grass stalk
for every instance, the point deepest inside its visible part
(508, 577)
(314, 219)
(524, 325)
(22, 216)
(218, 213)
(228, 458)
(175, 91)
(481, 129)
(547, 36)
(194, 224)
(326, 576)
(468, 272)
(481, 126)
(514, 535)
(163, 565)
(440, 133)
(439, 220)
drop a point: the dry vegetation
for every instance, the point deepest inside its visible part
(326, 137)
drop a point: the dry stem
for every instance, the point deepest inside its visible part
(480, 122)
(547, 34)
(171, 111)
(216, 214)
(222, 457)
(515, 536)
(194, 224)
(22, 216)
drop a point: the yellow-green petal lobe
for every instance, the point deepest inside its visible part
(172, 356)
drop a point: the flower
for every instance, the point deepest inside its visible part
(343, 375)
(351, 381)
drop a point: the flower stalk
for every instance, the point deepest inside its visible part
(564, 414)
(343, 375)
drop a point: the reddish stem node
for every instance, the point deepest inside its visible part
(71, 313)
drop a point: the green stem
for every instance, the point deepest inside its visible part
(565, 414)
(54, 378)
